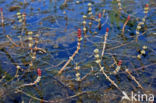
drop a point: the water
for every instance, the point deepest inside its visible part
(57, 26)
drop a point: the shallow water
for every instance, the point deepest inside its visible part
(57, 26)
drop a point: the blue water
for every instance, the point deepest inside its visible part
(57, 26)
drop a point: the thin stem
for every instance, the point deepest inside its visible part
(70, 58)
(129, 73)
(104, 44)
(10, 39)
(123, 29)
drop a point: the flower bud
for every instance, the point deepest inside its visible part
(84, 16)
(84, 22)
(139, 56)
(144, 47)
(1, 9)
(89, 4)
(89, 9)
(98, 61)
(96, 56)
(138, 27)
(18, 13)
(84, 29)
(90, 23)
(39, 72)
(30, 33)
(146, 5)
(120, 62)
(79, 33)
(96, 51)
(107, 29)
(143, 52)
(128, 18)
(99, 15)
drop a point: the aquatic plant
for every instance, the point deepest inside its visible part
(100, 64)
(76, 52)
(99, 21)
(142, 22)
(98, 61)
(119, 4)
(105, 41)
(33, 83)
(123, 29)
(118, 67)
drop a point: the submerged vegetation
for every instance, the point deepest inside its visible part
(77, 51)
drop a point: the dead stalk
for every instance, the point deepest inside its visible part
(129, 73)
(10, 39)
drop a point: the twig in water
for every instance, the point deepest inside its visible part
(10, 39)
(33, 97)
(129, 73)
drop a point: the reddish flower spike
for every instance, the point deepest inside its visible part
(128, 18)
(24, 14)
(99, 15)
(146, 5)
(79, 33)
(100, 26)
(39, 72)
(120, 62)
(107, 29)
(1, 9)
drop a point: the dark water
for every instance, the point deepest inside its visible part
(57, 24)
